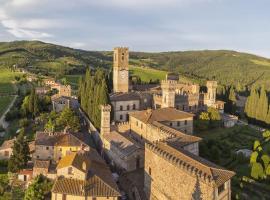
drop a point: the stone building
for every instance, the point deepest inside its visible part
(6, 149)
(54, 146)
(61, 102)
(175, 174)
(161, 141)
(123, 143)
(63, 90)
(44, 167)
(122, 151)
(84, 175)
(172, 92)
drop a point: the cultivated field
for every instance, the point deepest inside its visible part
(146, 74)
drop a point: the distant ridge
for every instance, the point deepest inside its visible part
(227, 67)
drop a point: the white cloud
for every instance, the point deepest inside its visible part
(14, 28)
(29, 34)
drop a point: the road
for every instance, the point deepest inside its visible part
(3, 123)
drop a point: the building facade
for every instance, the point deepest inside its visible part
(84, 175)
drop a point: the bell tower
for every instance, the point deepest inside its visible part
(120, 69)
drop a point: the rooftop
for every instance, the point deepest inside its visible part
(124, 144)
(61, 139)
(162, 114)
(98, 182)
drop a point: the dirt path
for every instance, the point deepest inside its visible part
(3, 123)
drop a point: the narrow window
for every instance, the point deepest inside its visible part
(134, 106)
(171, 124)
(149, 171)
(137, 123)
(47, 148)
(178, 123)
(185, 122)
(183, 107)
(70, 170)
(121, 117)
(127, 107)
(121, 107)
(221, 189)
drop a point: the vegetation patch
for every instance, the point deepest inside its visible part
(4, 103)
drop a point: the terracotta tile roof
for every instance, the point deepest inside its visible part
(192, 163)
(26, 172)
(125, 96)
(124, 144)
(76, 159)
(176, 137)
(61, 139)
(93, 187)
(162, 114)
(42, 164)
(99, 181)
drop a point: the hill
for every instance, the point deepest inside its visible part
(227, 67)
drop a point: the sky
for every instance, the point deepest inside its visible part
(142, 25)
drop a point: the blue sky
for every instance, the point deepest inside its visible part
(142, 25)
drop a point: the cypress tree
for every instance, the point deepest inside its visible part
(21, 152)
(262, 108)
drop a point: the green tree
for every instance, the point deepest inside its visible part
(38, 189)
(20, 156)
(257, 171)
(68, 119)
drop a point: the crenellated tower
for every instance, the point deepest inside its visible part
(168, 93)
(105, 119)
(120, 69)
(210, 97)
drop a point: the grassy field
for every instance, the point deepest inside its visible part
(147, 73)
(4, 102)
(6, 78)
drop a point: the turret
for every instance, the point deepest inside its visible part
(168, 93)
(211, 93)
(105, 127)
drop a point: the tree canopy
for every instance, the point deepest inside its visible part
(93, 93)
(20, 156)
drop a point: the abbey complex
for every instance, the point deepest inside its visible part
(152, 128)
(145, 148)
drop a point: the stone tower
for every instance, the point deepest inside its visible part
(105, 119)
(120, 69)
(168, 93)
(211, 93)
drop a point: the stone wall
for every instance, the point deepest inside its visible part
(71, 172)
(164, 180)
